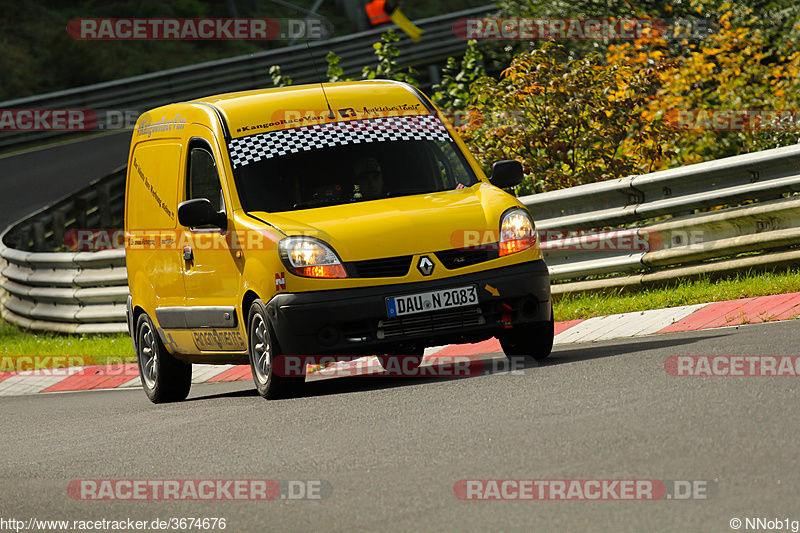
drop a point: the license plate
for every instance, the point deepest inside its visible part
(424, 302)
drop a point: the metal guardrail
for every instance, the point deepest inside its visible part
(697, 244)
(731, 180)
(71, 292)
(99, 205)
(688, 239)
(140, 93)
(81, 292)
(86, 291)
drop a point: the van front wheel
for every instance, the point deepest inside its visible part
(164, 378)
(535, 340)
(262, 350)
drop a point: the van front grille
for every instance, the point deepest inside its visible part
(387, 267)
(425, 323)
(459, 258)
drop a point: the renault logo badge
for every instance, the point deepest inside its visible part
(425, 265)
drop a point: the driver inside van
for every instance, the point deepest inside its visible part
(368, 178)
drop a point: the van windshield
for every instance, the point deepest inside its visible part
(340, 163)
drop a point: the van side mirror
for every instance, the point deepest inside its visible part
(200, 212)
(506, 174)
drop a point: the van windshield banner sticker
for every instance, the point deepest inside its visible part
(266, 145)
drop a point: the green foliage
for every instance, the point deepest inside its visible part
(278, 79)
(568, 122)
(335, 72)
(734, 71)
(388, 67)
(454, 90)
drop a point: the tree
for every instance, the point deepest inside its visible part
(568, 121)
(454, 90)
(724, 87)
(388, 67)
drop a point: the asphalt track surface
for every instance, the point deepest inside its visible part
(36, 178)
(390, 450)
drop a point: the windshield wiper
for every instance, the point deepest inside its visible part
(404, 192)
(309, 203)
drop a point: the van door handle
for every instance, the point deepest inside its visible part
(188, 255)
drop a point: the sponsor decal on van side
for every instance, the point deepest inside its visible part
(219, 340)
(149, 128)
(149, 185)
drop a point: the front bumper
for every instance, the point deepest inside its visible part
(355, 321)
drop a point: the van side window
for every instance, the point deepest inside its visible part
(203, 179)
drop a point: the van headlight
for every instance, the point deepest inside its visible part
(311, 258)
(517, 232)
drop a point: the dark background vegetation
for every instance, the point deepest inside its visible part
(38, 56)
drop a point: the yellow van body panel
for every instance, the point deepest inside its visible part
(289, 107)
(409, 225)
(151, 202)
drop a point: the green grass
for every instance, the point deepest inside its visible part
(23, 350)
(27, 350)
(571, 307)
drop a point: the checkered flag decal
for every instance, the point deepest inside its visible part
(253, 148)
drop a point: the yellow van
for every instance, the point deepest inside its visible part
(341, 219)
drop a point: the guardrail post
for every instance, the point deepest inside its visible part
(59, 224)
(80, 213)
(23, 238)
(38, 237)
(104, 205)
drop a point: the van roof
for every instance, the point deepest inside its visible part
(262, 110)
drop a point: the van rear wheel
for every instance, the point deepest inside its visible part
(164, 378)
(262, 350)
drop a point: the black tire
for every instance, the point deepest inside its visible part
(535, 340)
(262, 347)
(164, 378)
